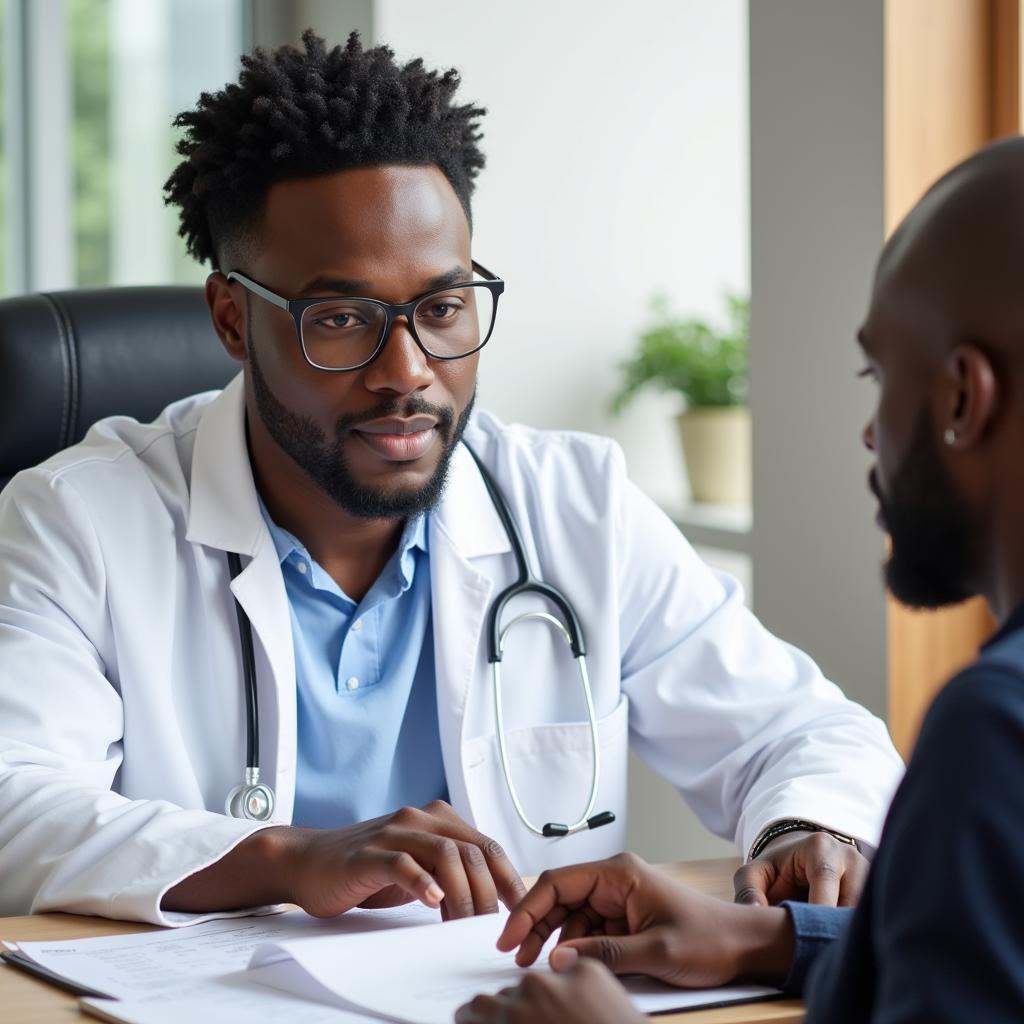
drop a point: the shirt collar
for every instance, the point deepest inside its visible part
(414, 538)
(1014, 621)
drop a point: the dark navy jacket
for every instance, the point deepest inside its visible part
(939, 933)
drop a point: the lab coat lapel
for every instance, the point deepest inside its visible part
(464, 528)
(224, 515)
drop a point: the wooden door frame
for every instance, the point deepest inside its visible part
(952, 83)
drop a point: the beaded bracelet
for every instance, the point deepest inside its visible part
(781, 828)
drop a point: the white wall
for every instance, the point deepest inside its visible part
(617, 166)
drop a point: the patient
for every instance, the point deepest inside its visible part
(935, 938)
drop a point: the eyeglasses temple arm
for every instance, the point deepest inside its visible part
(484, 272)
(258, 289)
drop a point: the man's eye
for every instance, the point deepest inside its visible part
(339, 320)
(438, 311)
(868, 373)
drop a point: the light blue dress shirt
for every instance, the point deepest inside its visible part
(368, 738)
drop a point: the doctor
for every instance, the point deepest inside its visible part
(324, 504)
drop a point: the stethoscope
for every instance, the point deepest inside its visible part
(255, 800)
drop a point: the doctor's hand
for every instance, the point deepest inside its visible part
(811, 866)
(585, 993)
(427, 854)
(636, 920)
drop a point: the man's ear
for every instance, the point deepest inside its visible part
(228, 315)
(973, 399)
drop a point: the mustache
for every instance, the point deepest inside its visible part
(403, 408)
(873, 486)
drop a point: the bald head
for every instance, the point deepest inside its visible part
(955, 265)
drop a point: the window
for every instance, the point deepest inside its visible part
(91, 106)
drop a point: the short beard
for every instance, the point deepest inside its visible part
(930, 527)
(324, 461)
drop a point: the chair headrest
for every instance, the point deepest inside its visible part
(70, 358)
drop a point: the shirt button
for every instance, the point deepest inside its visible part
(353, 683)
(357, 625)
(302, 567)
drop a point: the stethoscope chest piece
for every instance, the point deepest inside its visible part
(252, 800)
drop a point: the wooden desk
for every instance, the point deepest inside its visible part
(27, 1000)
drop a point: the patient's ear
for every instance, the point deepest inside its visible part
(227, 311)
(974, 396)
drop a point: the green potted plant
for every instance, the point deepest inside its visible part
(707, 366)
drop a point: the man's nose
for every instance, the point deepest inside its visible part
(402, 366)
(868, 435)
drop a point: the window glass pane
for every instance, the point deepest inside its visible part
(89, 40)
(5, 99)
(134, 67)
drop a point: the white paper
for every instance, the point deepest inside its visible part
(650, 996)
(229, 999)
(396, 964)
(171, 961)
(424, 974)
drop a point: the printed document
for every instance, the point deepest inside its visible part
(398, 965)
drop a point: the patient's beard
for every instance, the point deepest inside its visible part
(930, 564)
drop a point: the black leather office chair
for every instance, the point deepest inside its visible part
(70, 358)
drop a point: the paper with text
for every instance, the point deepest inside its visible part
(165, 962)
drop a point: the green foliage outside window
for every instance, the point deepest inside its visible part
(89, 38)
(4, 171)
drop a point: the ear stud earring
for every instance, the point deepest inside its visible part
(949, 436)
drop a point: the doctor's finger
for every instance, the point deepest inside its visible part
(752, 882)
(444, 859)
(380, 870)
(823, 883)
(507, 880)
(852, 884)
(482, 886)
(440, 856)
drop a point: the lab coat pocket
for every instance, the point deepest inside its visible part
(551, 767)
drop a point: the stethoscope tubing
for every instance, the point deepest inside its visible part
(256, 800)
(252, 712)
(581, 661)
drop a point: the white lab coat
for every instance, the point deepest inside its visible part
(122, 695)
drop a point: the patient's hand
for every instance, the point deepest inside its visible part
(636, 920)
(587, 993)
(803, 866)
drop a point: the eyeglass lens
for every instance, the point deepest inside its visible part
(343, 333)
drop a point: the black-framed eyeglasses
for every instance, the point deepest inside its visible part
(348, 333)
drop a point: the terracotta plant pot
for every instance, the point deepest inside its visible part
(716, 445)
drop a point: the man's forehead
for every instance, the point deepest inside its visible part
(351, 197)
(360, 225)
